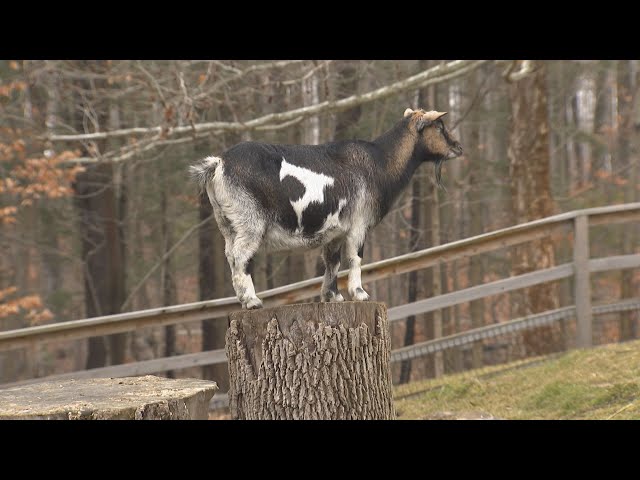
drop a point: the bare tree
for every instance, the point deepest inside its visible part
(531, 195)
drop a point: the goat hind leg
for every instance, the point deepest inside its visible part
(331, 257)
(243, 249)
(229, 238)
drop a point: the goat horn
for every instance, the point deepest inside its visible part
(432, 116)
(407, 112)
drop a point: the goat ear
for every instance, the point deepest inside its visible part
(407, 112)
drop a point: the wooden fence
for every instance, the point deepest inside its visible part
(577, 222)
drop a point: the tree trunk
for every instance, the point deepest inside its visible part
(100, 231)
(602, 123)
(310, 361)
(531, 199)
(577, 144)
(412, 294)
(627, 93)
(310, 96)
(168, 286)
(100, 251)
(346, 85)
(477, 180)
(118, 341)
(438, 95)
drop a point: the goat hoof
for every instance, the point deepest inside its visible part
(360, 295)
(332, 296)
(336, 297)
(253, 303)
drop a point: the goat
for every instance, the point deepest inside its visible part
(307, 196)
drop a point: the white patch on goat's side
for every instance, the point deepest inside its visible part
(313, 183)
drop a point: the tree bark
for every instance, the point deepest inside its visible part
(531, 199)
(412, 293)
(118, 341)
(310, 361)
(627, 93)
(101, 233)
(346, 85)
(168, 286)
(438, 95)
(477, 180)
(602, 124)
(101, 251)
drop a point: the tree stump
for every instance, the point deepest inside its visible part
(131, 398)
(310, 361)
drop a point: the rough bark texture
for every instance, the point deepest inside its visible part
(132, 398)
(627, 93)
(310, 361)
(412, 291)
(529, 161)
(97, 201)
(476, 207)
(346, 86)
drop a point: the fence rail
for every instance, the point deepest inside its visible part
(512, 326)
(577, 221)
(457, 340)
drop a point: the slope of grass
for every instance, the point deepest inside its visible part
(599, 383)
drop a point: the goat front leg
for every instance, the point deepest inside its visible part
(331, 257)
(354, 251)
(241, 252)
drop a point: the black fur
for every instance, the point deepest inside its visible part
(255, 167)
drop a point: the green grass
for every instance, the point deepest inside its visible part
(599, 383)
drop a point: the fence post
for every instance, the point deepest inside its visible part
(582, 289)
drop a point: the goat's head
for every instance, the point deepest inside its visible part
(435, 142)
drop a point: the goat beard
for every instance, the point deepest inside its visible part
(438, 170)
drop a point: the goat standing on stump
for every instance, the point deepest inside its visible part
(307, 196)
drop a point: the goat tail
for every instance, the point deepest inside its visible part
(204, 171)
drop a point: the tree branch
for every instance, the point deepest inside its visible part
(525, 68)
(431, 76)
(168, 253)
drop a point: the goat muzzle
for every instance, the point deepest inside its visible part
(455, 151)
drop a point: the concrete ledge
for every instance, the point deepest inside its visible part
(130, 398)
